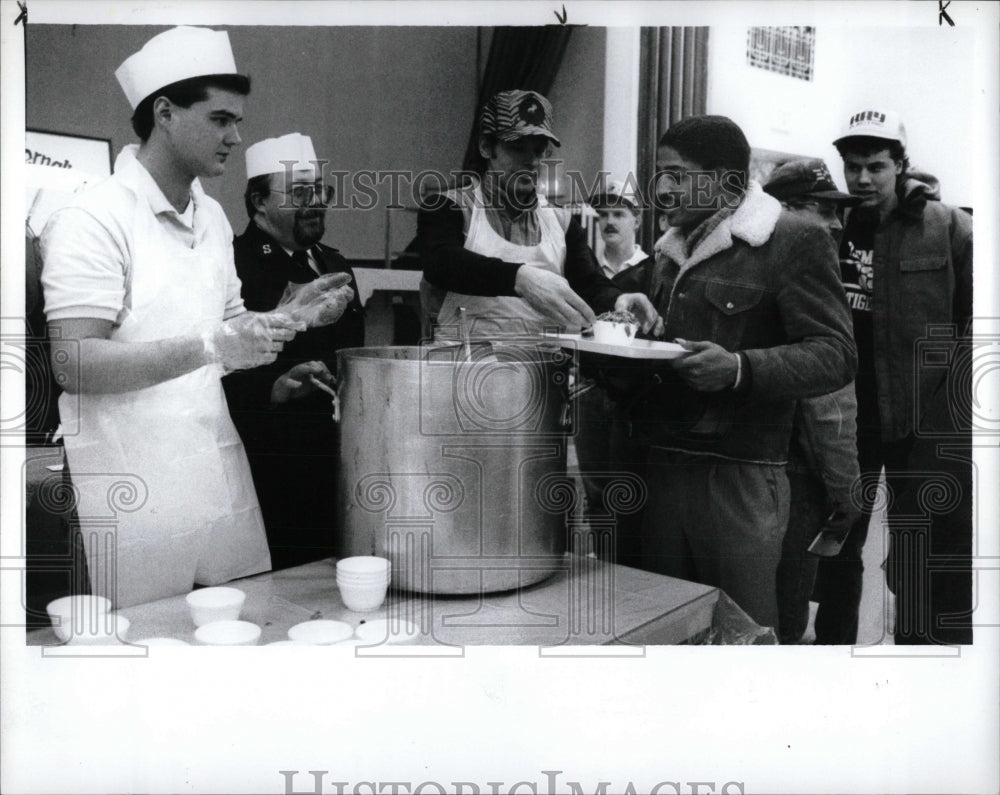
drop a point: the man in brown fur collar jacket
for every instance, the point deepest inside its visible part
(753, 292)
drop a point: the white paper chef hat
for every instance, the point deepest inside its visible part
(176, 54)
(276, 155)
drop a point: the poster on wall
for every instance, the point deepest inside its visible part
(57, 165)
(59, 150)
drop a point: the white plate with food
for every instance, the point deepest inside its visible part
(636, 349)
(613, 334)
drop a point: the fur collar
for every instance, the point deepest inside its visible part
(753, 223)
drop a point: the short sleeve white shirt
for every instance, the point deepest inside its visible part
(87, 245)
(638, 255)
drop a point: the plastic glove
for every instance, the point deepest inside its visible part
(319, 302)
(550, 294)
(248, 340)
(297, 382)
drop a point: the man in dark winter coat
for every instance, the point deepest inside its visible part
(907, 268)
(752, 291)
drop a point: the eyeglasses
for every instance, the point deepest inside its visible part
(304, 195)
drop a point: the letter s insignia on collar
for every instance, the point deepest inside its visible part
(266, 248)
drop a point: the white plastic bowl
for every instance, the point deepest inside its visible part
(72, 615)
(612, 333)
(364, 579)
(362, 598)
(385, 631)
(374, 576)
(228, 633)
(320, 632)
(215, 604)
(110, 630)
(380, 586)
(363, 564)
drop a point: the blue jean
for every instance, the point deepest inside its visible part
(839, 579)
(797, 570)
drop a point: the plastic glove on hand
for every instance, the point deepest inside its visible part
(311, 302)
(298, 383)
(248, 340)
(328, 308)
(550, 294)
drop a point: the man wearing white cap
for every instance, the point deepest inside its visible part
(603, 447)
(283, 418)
(906, 263)
(144, 310)
(618, 222)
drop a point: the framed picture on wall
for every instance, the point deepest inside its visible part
(61, 150)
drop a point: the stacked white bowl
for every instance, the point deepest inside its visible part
(86, 620)
(363, 582)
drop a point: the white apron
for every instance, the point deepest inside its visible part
(487, 316)
(190, 513)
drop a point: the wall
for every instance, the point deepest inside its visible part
(921, 72)
(370, 98)
(578, 104)
(621, 102)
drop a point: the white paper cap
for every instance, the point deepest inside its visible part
(175, 54)
(273, 155)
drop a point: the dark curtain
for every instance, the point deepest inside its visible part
(673, 66)
(524, 58)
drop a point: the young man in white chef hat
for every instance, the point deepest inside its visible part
(283, 417)
(144, 308)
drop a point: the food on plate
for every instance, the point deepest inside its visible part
(618, 316)
(615, 328)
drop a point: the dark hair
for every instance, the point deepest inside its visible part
(866, 146)
(256, 186)
(713, 142)
(184, 93)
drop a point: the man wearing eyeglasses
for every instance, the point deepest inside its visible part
(283, 417)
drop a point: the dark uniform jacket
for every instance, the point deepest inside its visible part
(292, 447)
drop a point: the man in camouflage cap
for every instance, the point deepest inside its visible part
(501, 254)
(823, 454)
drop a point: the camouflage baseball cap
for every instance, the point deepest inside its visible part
(510, 115)
(805, 179)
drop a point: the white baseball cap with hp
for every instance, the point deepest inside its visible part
(872, 123)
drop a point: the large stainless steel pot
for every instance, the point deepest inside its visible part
(453, 463)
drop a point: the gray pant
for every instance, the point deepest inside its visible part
(717, 522)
